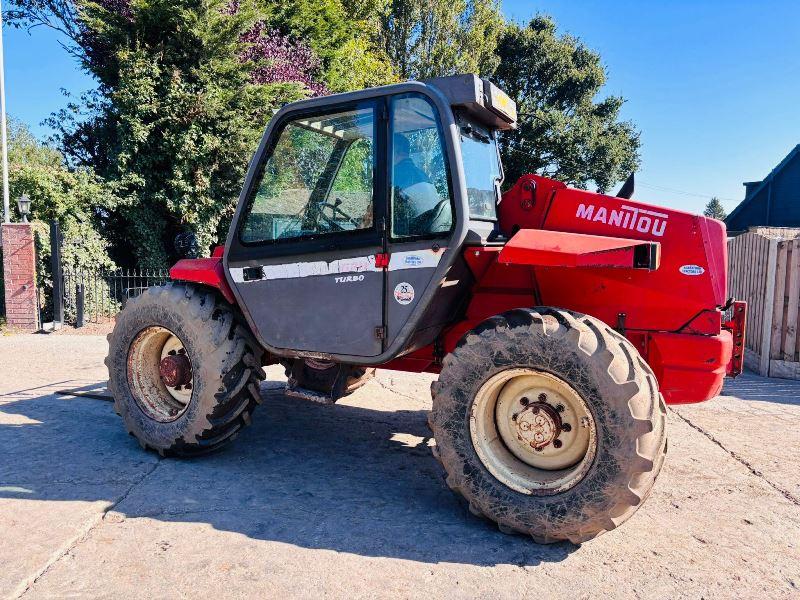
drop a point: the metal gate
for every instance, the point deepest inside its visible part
(97, 295)
(84, 294)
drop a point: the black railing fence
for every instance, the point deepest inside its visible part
(96, 296)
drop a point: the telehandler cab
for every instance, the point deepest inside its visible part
(371, 232)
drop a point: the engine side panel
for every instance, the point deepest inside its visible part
(690, 279)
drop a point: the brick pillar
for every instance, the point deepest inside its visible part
(19, 276)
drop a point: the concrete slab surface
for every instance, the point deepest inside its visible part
(347, 501)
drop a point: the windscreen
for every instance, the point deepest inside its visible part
(482, 170)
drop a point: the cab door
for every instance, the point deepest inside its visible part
(303, 257)
(421, 222)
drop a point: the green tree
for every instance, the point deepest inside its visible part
(341, 33)
(564, 131)
(177, 112)
(185, 89)
(715, 210)
(425, 38)
(76, 198)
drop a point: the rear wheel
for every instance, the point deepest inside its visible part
(183, 371)
(549, 423)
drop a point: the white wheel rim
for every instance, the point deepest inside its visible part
(157, 400)
(533, 431)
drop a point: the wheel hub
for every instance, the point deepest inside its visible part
(175, 370)
(532, 431)
(538, 425)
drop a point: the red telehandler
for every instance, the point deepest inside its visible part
(371, 232)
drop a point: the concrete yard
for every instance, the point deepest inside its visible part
(347, 501)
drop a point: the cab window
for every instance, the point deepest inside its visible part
(482, 170)
(421, 203)
(317, 180)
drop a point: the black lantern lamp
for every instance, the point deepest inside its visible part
(24, 206)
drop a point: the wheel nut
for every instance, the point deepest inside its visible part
(524, 401)
(557, 443)
(566, 427)
(542, 397)
(560, 408)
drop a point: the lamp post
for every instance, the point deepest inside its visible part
(24, 206)
(3, 135)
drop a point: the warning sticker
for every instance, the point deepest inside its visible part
(404, 293)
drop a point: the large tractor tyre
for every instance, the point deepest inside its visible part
(183, 370)
(549, 423)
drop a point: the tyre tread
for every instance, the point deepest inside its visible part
(237, 396)
(626, 367)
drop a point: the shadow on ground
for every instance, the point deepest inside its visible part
(750, 386)
(343, 478)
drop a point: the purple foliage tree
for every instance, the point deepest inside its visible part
(278, 59)
(121, 7)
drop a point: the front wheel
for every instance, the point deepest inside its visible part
(549, 423)
(183, 371)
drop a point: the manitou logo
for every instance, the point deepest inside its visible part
(627, 217)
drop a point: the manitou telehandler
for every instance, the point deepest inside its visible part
(371, 232)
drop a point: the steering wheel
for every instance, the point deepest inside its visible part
(335, 209)
(434, 220)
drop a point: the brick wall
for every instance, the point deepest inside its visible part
(19, 274)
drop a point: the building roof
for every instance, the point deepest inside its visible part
(752, 193)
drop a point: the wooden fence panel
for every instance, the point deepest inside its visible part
(790, 338)
(748, 266)
(768, 302)
(779, 308)
(758, 290)
(764, 270)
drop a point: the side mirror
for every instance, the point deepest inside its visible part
(626, 191)
(186, 245)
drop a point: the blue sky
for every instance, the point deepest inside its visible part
(714, 86)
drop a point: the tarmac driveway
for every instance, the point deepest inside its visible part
(347, 501)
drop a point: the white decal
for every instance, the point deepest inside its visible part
(404, 293)
(358, 264)
(399, 261)
(627, 217)
(692, 270)
(349, 279)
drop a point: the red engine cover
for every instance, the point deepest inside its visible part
(690, 279)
